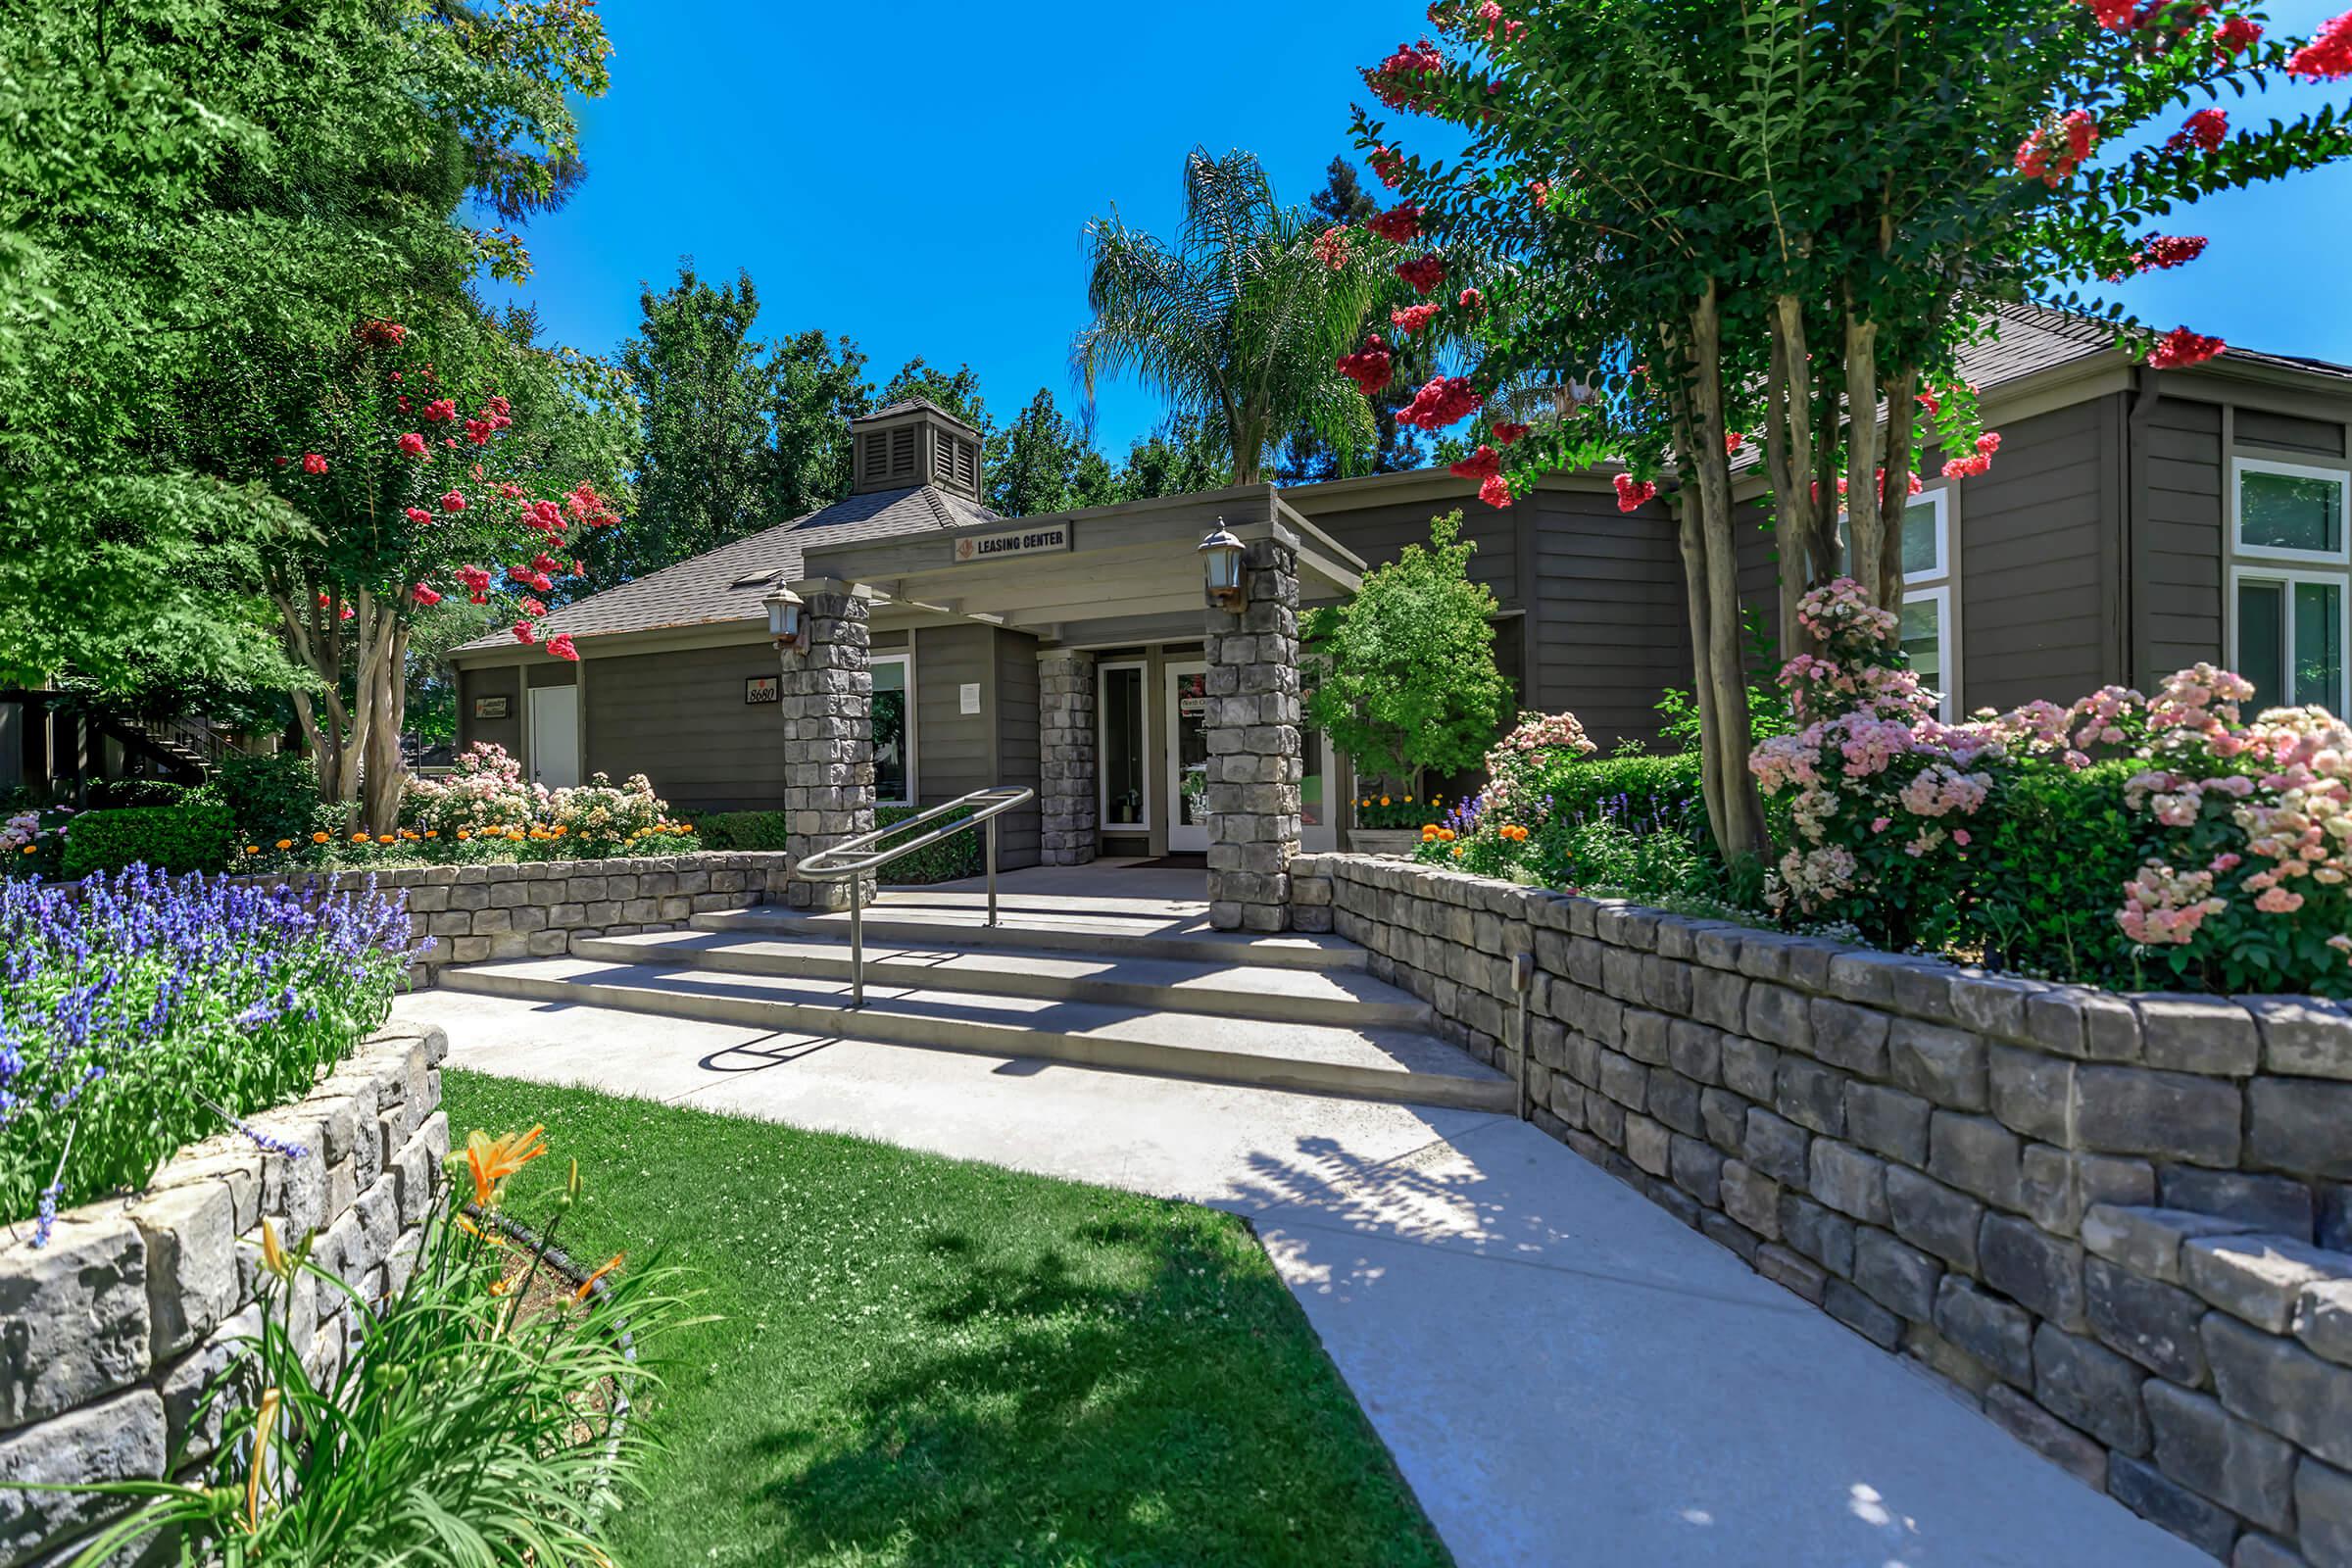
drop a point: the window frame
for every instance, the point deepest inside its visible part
(2287, 576)
(1940, 499)
(1948, 699)
(1104, 826)
(904, 657)
(2240, 467)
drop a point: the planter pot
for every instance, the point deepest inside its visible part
(1396, 841)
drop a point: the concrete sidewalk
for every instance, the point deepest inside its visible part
(1565, 1375)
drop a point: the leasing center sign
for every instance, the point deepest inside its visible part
(1044, 537)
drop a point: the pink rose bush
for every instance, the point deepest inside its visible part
(2230, 841)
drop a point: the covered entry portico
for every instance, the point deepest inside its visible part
(1150, 723)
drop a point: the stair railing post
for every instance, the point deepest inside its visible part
(856, 940)
(992, 870)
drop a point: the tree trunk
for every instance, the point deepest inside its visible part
(1742, 807)
(1902, 420)
(1788, 461)
(1688, 538)
(1865, 533)
(386, 775)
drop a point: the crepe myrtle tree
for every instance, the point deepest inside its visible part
(1722, 228)
(419, 476)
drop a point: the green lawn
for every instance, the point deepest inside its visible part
(927, 1362)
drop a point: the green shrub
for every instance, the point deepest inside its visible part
(745, 831)
(269, 798)
(954, 859)
(2051, 855)
(193, 835)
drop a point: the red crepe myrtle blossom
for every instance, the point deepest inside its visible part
(281, 462)
(1398, 80)
(1930, 402)
(312, 463)
(2158, 251)
(477, 432)
(1424, 272)
(543, 562)
(2038, 157)
(476, 582)
(2207, 128)
(2117, 16)
(2181, 347)
(1471, 299)
(1492, 15)
(1330, 247)
(380, 334)
(1733, 440)
(412, 445)
(588, 509)
(2234, 36)
(395, 377)
(1496, 491)
(525, 632)
(1398, 225)
(1540, 192)
(1987, 444)
(420, 517)
(1632, 493)
(1411, 319)
(2328, 55)
(1441, 401)
(579, 567)
(1508, 434)
(545, 514)
(531, 607)
(560, 644)
(1370, 367)
(1967, 467)
(424, 596)
(451, 501)
(1388, 163)
(440, 411)
(1483, 464)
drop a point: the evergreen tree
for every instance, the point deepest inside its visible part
(1042, 462)
(1182, 455)
(704, 385)
(814, 388)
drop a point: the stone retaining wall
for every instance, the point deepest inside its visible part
(2120, 1225)
(110, 1334)
(478, 912)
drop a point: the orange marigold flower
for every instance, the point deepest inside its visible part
(285, 844)
(318, 838)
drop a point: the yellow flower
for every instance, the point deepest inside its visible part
(1408, 800)
(285, 844)
(493, 1159)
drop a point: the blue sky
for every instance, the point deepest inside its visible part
(757, 136)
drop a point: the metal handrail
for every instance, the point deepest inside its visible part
(829, 865)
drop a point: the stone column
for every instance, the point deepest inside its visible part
(828, 698)
(1254, 743)
(1065, 746)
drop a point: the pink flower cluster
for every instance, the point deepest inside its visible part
(2328, 55)
(2207, 130)
(1330, 247)
(1486, 466)
(1424, 272)
(1633, 494)
(2181, 347)
(2054, 152)
(1441, 401)
(1406, 77)
(1534, 737)
(1370, 366)
(1400, 225)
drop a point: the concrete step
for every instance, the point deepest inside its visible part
(1235, 988)
(1366, 1063)
(1058, 931)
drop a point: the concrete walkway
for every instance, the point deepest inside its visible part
(1565, 1375)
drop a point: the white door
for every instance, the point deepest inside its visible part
(556, 735)
(1188, 758)
(1318, 805)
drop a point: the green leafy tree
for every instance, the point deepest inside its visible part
(1709, 226)
(703, 386)
(957, 392)
(1042, 462)
(1239, 320)
(1179, 458)
(1403, 677)
(814, 388)
(189, 180)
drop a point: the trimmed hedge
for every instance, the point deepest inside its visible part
(192, 836)
(958, 857)
(268, 797)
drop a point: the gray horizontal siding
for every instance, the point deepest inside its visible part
(2177, 588)
(494, 680)
(2258, 427)
(2035, 539)
(680, 719)
(1380, 534)
(1611, 628)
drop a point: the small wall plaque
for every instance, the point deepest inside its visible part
(760, 688)
(967, 697)
(490, 707)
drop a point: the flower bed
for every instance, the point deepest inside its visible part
(2165, 843)
(140, 1012)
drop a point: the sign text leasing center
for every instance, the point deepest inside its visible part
(1040, 540)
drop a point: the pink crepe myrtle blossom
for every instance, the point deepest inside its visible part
(1633, 494)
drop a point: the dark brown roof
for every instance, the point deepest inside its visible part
(728, 583)
(913, 406)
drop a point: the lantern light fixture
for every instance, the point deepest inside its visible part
(787, 625)
(1221, 568)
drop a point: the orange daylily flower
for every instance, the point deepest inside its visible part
(265, 1427)
(493, 1159)
(589, 1284)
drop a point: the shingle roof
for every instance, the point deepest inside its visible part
(728, 583)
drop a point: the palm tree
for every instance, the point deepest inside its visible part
(1240, 322)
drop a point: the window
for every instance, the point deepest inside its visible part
(1927, 621)
(2290, 511)
(2291, 586)
(1126, 778)
(2289, 635)
(894, 729)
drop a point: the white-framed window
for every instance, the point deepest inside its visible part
(1928, 623)
(1122, 765)
(2288, 630)
(2290, 511)
(894, 729)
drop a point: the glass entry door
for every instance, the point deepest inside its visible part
(1188, 758)
(1319, 801)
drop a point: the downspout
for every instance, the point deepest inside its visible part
(2135, 511)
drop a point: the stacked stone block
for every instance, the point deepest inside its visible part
(1254, 741)
(827, 695)
(1066, 784)
(2123, 1225)
(111, 1334)
(472, 913)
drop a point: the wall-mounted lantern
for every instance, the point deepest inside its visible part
(1221, 563)
(786, 624)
